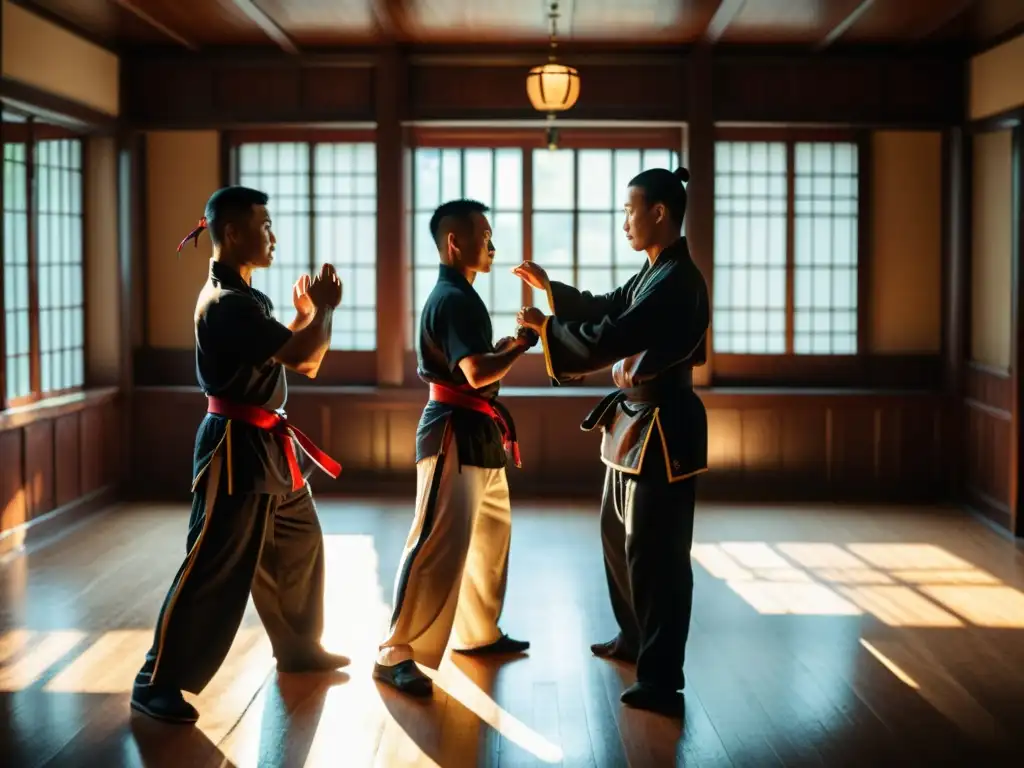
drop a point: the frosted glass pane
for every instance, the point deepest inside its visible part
(480, 176)
(758, 158)
(509, 179)
(802, 288)
(821, 289)
(424, 246)
(843, 289)
(508, 291)
(803, 246)
(723, 240)
(776, 240)
(740, 297)
(658, 158)
(759, 240)
(777, 287)
(845, 158)
(594, 245)
(627, 165)
(758, 280)
(844, 242)
(595, 178)
(553, 180)
(427, 169)
(552, 239)
(723, 157)
(722, 288)
(823, 158)
(451, 175)
(507, 237)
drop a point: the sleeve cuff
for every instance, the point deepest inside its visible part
(544, 344)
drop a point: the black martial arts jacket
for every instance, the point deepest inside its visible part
(652, 331)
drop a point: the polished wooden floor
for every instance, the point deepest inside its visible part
(822, 636)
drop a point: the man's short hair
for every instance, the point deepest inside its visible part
(460, 211)
(231, 205)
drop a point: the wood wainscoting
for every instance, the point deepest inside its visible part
(60, 454)
(792, 445)
(988, 407)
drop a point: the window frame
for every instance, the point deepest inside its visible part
(530, 370)
(31, 131)
(340, 367)
(730, 369)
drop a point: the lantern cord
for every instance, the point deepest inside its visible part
(553, 15)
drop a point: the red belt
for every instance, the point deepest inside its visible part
(461, 398)
(278, 425)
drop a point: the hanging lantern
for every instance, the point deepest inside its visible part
(553, 87)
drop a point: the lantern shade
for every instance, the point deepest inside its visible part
(553, 87)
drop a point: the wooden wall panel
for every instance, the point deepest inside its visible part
(39, 470)
(842, 89)
(57, 457)
(498, 92)
(989, 430)
(196, 91)
(67, 466)
(12, 480)
(205, 91)
(781, 446)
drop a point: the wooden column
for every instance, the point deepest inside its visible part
(392, 270)
(700, 152)
(956, 290)
(1016, 331)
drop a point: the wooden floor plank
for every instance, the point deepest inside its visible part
(839, 637)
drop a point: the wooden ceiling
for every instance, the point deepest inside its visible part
(307, 25)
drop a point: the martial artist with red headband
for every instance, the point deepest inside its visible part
(254, 525)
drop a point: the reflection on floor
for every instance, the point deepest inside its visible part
(821, 636)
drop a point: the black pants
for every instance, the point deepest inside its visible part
(271, 546)
(647, 532)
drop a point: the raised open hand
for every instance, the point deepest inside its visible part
(326, 288)
(300, 295)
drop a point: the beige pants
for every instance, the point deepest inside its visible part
(455, 564)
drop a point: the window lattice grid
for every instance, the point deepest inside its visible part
(17, 313)
(59, 229)
(323, 203)
(750, 247)
(825, 248)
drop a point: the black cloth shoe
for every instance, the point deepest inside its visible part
(165, 704)
(405, 677)
(664, 701)
(317, 660)
(615, 648)
(503, 645)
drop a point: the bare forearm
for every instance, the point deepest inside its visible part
(306, 349)
(489, 368)
(301, 321)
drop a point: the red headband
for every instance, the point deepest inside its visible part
(194, 234)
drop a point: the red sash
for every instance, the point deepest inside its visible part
(468, 399)
(278, 425)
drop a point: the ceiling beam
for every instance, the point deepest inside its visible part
(270, 27)
(840, 29)
(727, 11)
(159, 26)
